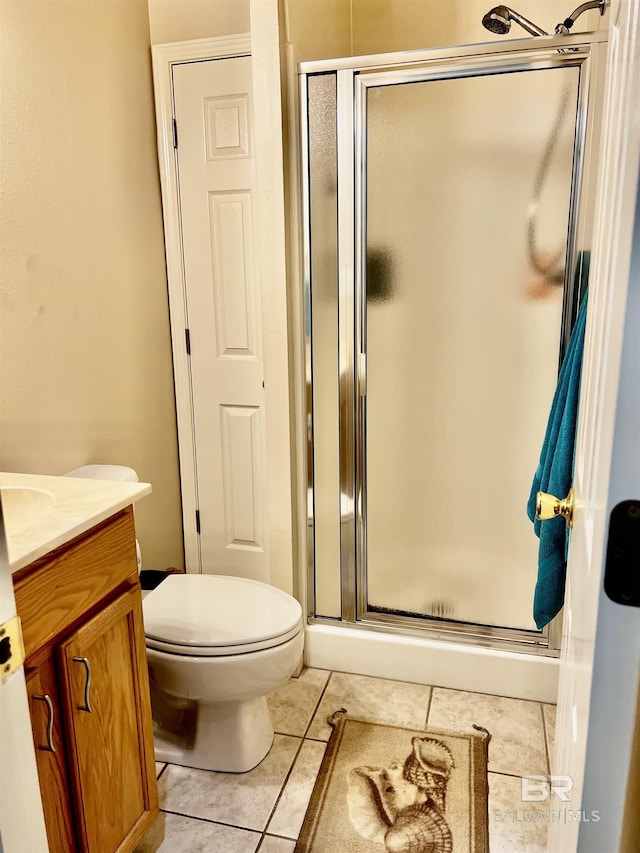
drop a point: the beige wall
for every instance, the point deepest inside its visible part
(85, 356)
(183, 20)
(318, 29)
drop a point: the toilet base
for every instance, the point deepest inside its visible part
(231, 737)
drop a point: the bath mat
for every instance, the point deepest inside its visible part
(387, 789)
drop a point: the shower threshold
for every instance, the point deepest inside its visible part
(442, 629)
(424, 657)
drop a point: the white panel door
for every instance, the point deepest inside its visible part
(212, 102)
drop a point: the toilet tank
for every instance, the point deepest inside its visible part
(109, 472)
(105, 472)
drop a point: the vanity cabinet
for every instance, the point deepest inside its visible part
(81, 613)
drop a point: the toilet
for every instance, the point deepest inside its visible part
(216, 647)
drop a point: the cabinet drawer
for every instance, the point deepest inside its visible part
(52, 593)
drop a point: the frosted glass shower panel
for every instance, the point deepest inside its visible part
(322, 333)
(461, 330)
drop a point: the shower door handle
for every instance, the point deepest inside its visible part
(548, 506)
(362, 374)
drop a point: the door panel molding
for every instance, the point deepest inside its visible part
(236, 318)
(242, 474)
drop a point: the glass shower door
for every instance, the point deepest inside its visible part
(460, 320)
(445, 217)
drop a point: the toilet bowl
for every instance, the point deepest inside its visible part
(216, 646)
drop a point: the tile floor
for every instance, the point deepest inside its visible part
(263, 810)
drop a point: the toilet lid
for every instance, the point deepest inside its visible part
(216, 615)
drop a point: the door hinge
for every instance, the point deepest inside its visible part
(11, 647)
(187, 341)
(174, 126)
(197, 521)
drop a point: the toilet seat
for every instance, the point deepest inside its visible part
(216, 615)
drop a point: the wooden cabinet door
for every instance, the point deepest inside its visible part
(109, 736)
(48, 738)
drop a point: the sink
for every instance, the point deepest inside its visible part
(24, 508)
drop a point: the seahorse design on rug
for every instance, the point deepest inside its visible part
(402, 805)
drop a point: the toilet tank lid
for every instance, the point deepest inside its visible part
(218, 611)
(119, 473)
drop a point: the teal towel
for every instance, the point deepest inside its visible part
(555, 475)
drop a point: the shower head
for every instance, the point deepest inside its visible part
(498, 21)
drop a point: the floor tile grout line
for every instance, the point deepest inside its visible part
(313, 712)
(429, 700)
(317, 705)
(302, 740)
(284, 785)
(544, 734)
(266, 834)
(164, 767)
(215, 822)
(501, 773)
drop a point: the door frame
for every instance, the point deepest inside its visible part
(164, 57)
(22, 824)
(262, 46)
(600, 663)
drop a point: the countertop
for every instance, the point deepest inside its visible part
(76, 505)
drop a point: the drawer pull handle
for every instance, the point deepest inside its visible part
(87, 685)
(47, 699)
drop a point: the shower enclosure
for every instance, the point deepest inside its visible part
(446, 226)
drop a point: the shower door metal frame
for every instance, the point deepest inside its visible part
(353, 77)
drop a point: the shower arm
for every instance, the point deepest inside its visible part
(498, 20)
(526, 24)
(563, 28)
